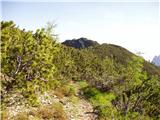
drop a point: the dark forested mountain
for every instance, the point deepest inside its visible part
(156, 60)
(118, 53)
(80, 43)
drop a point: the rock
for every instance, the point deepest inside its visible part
(80, 43)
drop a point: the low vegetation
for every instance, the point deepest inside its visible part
(119, 84)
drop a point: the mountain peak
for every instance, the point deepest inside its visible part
(156, 60)
(80, 43)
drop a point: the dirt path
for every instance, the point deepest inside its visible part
(79, 111)
(75, 107)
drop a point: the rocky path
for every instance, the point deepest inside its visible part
(79, 111)
(75, 107)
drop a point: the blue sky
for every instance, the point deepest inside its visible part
(133, 25)
(83, 0)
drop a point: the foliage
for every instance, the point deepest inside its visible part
(27, 58)
(4, 115)
(131, 95)
(65, 90)
(112, 69)
(54, 111)
(119, 84)
(102, 102)
(21, 116)
(82, 84)
(65, 64)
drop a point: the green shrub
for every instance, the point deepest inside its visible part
(73, 99)
(21, 116)
(54, 111)
(65, 90)
(82, 84)
(45, 112)
(59, 113)
(4, 115)
(102, 103)
(27, 58)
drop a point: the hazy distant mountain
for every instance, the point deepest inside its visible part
(80, 43)
(156, 60)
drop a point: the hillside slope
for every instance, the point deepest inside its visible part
(118, 53)
(42, 79)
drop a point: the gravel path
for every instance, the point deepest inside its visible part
(75, 107)
(79, 111)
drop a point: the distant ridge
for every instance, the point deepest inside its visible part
(80, 43)
(118, 53)
(156, 60)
